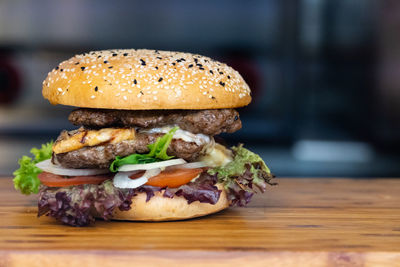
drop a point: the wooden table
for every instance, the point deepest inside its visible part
(301, 222)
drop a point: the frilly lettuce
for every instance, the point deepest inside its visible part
(240, 177)
(25, 178)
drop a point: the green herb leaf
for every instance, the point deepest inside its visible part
(158, 152)
(159, 148)
(25, 178)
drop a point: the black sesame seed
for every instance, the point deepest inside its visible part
(83, 68)
(221, 72)
(211, 72)
(56, 68)
(61, 69)
(99, 56)
(143, 62)
(201, 68)
(96, 88)
(212, 97)
(114, 55)
(159, 57)
(222, 83)
(105, 61)
(156, 67)
(196, 60)
(125, 54)
(159, 80)
(77, 63)
(191, 65)
(141, 92)
(134, 81)
(173, 63)
(110, 67)
(199, 65)
(229, 77)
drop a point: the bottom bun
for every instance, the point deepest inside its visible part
(160, 208)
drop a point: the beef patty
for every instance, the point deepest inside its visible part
(209, 121)
(101, 156)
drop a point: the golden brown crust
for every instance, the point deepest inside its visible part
(145, 79)
(160, 208)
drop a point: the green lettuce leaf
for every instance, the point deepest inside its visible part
(237, 166)
(158, 152)
(25, 178)
(243, 175)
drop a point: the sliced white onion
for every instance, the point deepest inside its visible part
(48, 166)
(149, 166)
(122, 180)
(192, 165)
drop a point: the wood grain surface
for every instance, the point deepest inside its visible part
(300, 222)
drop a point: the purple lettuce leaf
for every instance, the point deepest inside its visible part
(80, 205)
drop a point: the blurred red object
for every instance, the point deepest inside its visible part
(9, 79)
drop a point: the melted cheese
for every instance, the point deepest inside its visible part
(83, 138)
(217, 156)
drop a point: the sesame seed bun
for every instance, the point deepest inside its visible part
(160, 208)
(145, 79)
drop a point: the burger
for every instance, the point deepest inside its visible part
(143, 148)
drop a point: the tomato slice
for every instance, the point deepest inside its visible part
(54, 180)
(174, 177)
(137, 175)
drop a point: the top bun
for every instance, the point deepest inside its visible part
(145, 79)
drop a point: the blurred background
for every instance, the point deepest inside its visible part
(325, 75)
